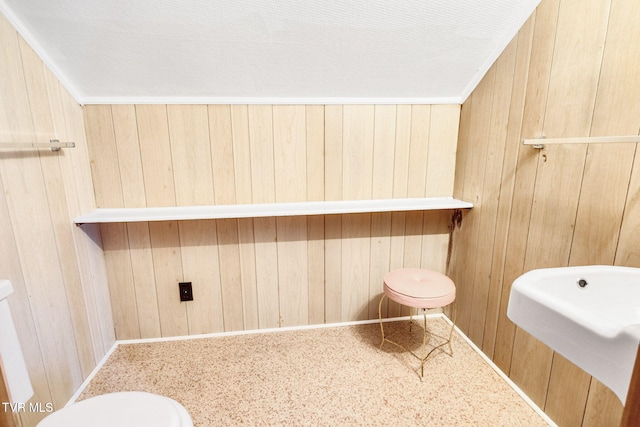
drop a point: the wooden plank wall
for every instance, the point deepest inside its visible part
(61, 304)
(571, 71)
(265, 272)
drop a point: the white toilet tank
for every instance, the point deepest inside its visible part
(123, 409)
(14, 366)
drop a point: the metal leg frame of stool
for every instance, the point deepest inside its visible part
(422, 359)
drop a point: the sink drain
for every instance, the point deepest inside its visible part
(582, 283)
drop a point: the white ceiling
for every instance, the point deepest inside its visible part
(268, 51)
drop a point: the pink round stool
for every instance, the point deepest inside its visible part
(419, 288)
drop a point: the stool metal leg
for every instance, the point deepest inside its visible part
(454, 309)
(380, 318)
(424, 341)
(424, 358)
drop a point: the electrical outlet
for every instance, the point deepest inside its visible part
(186, 291)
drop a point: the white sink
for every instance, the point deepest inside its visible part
(588, 314)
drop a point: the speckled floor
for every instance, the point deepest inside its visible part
(321, 377)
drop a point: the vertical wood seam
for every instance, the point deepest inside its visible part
(552, 55)
(275, 196)
(604, 46)
(626, 206)
(575, 217)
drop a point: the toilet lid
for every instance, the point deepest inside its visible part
(123, 409)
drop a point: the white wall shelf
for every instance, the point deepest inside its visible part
(183, 213)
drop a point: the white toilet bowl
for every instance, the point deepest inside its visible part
(123, 409)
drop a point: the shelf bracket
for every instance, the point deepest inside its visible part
(538, 145)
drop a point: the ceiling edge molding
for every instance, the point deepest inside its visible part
(33, 43)
(495, 54)
(269, 100)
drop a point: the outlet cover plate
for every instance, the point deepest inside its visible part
(186, 291)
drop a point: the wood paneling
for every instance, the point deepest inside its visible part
(333, 223)
(569, 74)
(571, 71)
(143, 276)
(61, 304)
(267, 272)
(293, 270)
